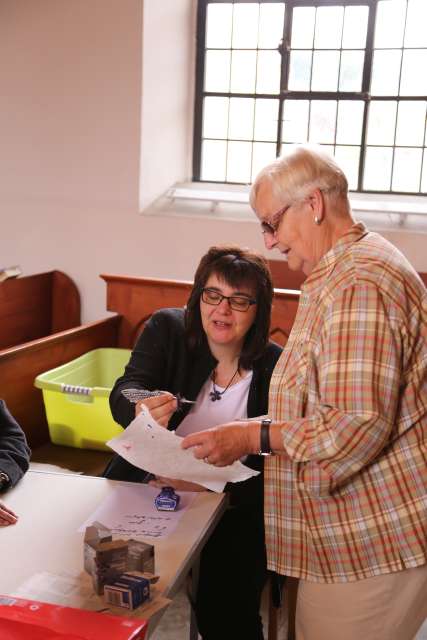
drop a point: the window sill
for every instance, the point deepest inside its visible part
(231, 202)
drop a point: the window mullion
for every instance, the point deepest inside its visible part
(198, 97)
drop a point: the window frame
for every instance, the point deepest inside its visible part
(285, 50)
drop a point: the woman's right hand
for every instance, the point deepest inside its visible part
(161, 407)
(7, 516)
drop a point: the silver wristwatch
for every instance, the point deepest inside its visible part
(4, 479)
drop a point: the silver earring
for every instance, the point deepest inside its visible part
(317, 220)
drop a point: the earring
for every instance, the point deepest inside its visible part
(317, 220)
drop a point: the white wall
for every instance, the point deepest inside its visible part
(96, 100)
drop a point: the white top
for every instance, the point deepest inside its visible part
(205, 414)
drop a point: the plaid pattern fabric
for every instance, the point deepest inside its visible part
(348, 500)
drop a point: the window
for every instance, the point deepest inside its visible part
(347, 74)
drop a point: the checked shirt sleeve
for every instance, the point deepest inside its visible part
(355, 367)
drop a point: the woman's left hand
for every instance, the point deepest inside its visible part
(178, 485)
(223, 445)
(7, 516)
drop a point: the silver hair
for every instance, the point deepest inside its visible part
(297, 173)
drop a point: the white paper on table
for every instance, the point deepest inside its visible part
(129, 512)
(149, 446)
(72, 589)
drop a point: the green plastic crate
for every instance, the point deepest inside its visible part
(76, 398)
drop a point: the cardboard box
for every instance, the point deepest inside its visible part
(129, 591)
(104, 558)
(140, 556)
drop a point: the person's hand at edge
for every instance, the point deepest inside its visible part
(161, 407)
(223, 445)
(7, 516)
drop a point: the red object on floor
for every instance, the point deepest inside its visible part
(22, 619)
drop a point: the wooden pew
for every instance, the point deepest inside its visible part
(19, 366)
(36, 306)
(284, 278)
(39, 330)
(135, 299)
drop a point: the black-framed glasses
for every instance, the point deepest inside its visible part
(238, 303)
(270, 228)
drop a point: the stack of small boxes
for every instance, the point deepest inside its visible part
(122, 570)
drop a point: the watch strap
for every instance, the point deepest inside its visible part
(265, 448)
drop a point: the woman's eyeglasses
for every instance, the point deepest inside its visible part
(270, 228)
(238, 303)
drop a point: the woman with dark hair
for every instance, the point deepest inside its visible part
(215, 352)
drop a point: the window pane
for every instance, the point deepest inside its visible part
(243, 70)
(239, 161)
(218, 26)
(390, 23)
(271, 21)
(351, 70)
(355, 27)
(414, 82)
(329, 25)
(215, 117)
(213, 160)
(381, 123)
(411, 121)
(241, 124)
(268, 72)
(406, 169)
(300, 70)
(325, 70)
(217, 71)
(303, 28)
(322, 121)
(295, 121)
(385, 73)
(377, 169)
(263, 154)
(266, 114)
(424, 178)
(416, 21)
(350, 121)
(348, 159)
(245, 26)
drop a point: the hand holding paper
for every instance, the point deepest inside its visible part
(149, 446)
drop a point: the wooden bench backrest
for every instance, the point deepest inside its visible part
(284, 278)
(36, 306)
(135, 299)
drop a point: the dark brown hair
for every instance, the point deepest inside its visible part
(236, 266)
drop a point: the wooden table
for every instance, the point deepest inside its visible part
(51, 508)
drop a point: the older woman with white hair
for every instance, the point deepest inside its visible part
(346, 488)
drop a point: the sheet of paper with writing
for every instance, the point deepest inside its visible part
(129, 512)
(149, 446)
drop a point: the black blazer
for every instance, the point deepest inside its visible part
(14, 451)
(161, 360)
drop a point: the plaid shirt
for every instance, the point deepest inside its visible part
(348, 500)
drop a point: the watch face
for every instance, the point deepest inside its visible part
(4, 479)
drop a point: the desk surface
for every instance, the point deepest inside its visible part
(52, 506)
